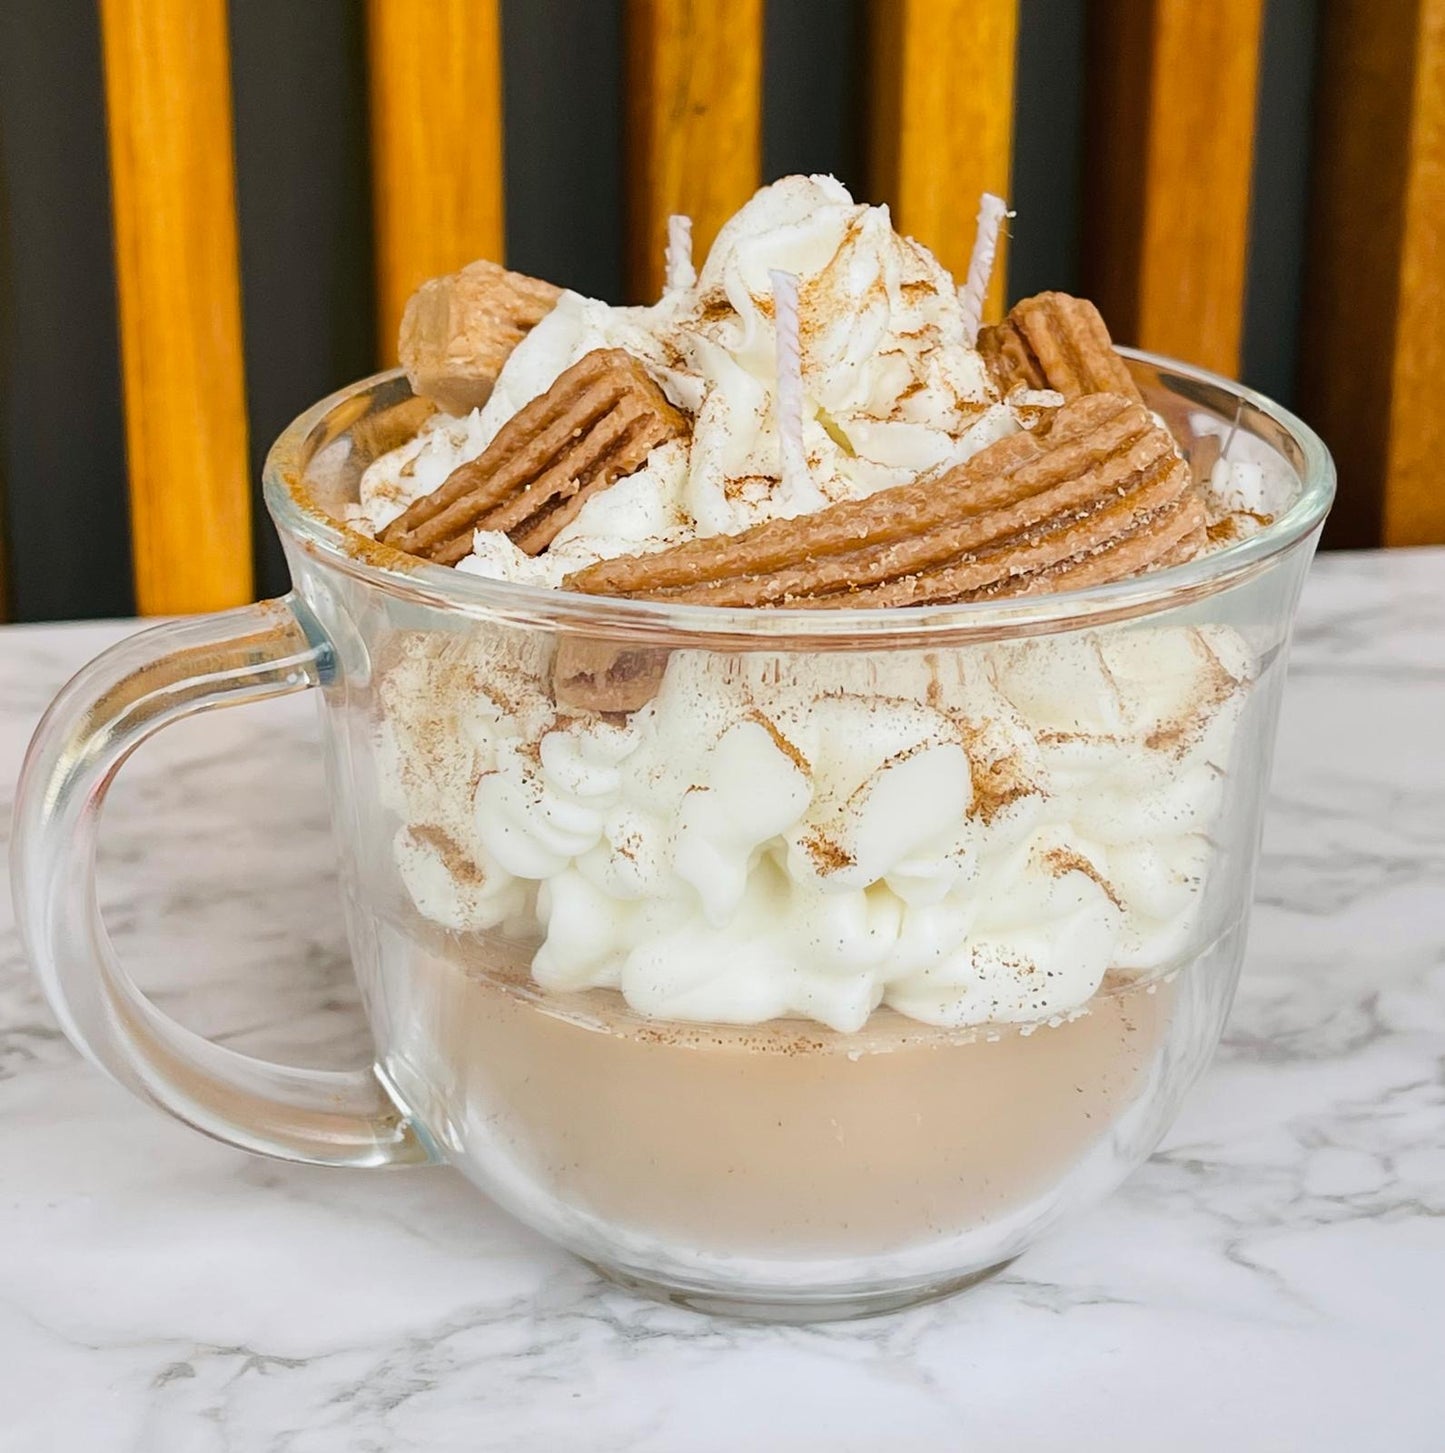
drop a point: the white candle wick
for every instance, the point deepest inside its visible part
(991, 212)
(1233, 430)
(790, 378)
(680, 273)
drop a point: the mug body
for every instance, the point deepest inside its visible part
(798, 963)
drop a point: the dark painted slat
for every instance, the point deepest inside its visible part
(813, 90)
(62, 450)
(814, 106)
(299, 84)
(299, 81)
(7, 368)
(562, 139)
(1280, 204)
(1048, 151)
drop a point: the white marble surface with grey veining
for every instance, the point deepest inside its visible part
(1273, 1279)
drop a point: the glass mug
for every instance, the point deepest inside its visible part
(779, 1168)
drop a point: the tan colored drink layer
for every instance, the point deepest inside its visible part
(785, 1138)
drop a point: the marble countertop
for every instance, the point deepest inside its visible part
(1273, 1279)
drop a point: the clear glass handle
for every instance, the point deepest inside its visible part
(125, 695)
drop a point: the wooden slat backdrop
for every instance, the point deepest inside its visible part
(169, 113)
(1374, 314)
(435, 71)
(694, 123)
(1172, 95)
(940, 126)
(1172, 90)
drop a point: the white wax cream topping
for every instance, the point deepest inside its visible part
(968, 836)
(891, 388)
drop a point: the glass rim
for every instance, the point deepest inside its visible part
(421, 582)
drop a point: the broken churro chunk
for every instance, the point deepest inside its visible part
(597, 423)
(602, 675)
(458, 331)
(1100, 493)
(1057, 342)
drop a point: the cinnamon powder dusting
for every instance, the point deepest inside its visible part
(781, 742)
(1175, 735)
(1062, 861)
(446, 847)
(827, 856)
(997, 783)
(739, 486)
(715, 308)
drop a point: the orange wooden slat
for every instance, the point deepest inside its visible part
(435, 70)
(1172, 90)
(1373, 347)
(940, 125)
(168, 96)
(694, 122)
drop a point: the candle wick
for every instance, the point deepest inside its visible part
(794, 461)
(679, 273)
(991, 212)
(1233, 430)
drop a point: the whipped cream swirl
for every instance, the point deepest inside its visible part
(968, 836)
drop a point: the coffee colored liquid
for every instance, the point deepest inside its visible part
(773, 1140)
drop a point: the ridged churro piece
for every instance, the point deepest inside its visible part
(1172, 536)
(458, 331)
(598, 422)
(1059, 342)
(1099, 473)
